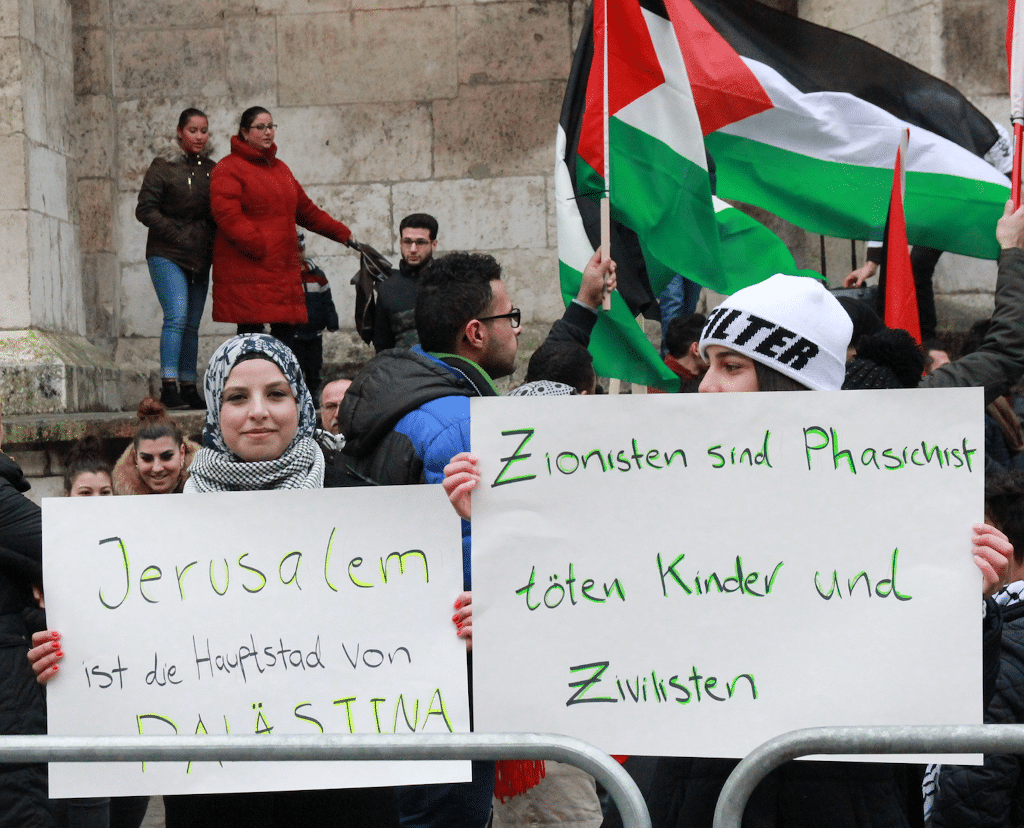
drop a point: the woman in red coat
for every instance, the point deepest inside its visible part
(256, 203)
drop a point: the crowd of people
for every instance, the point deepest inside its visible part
(446, 328)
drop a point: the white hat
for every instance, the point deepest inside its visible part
(789, 323)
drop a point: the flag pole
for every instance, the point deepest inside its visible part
(606, 212)
(1015, 64)
(614, 385)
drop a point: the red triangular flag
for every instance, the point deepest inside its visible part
(900, 294)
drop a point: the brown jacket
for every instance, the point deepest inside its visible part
(174, 203)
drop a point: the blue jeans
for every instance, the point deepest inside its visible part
(182, 300)
(679, 298)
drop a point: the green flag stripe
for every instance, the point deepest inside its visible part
(943, 211)
(619, 347)
(666, 200)
(751, 252)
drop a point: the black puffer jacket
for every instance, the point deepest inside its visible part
(394, 383)
(23, 788)
(991, 794)
(174, 203)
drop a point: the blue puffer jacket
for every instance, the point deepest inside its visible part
(406, 415)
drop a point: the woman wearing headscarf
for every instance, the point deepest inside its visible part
(258, 435)
(260, 421)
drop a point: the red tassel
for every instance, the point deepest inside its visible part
(515, 776)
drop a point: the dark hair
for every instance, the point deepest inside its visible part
(563, 361)
(768, 379)
(682, 332)
(865, 320)
(188, 114)
(894, 350)
(85, 456)
(1004, 503)
(250, 115)
(420, 221)
(154, 424)
(455, 290)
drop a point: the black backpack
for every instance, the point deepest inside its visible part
(373, 270)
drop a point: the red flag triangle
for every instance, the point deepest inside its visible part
(724, 89)
(900, 294)
(634, 70)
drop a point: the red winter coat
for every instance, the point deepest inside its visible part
(256, 203)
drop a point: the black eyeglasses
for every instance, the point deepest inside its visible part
(515, 316)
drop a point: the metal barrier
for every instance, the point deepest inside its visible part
(406, 747)
(829, 741)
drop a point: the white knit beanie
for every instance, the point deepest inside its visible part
(789, 323)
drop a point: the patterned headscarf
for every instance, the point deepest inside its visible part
(543, 388)
(216, 467)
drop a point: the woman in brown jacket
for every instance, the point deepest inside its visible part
(174, 204)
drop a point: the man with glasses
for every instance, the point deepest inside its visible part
(406, 416)
(394, 324)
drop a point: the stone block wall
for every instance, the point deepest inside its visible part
(38, 208)
(386, 107)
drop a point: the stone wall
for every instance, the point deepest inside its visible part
(38, 215)
(386, 107)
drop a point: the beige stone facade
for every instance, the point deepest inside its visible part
(385, 107)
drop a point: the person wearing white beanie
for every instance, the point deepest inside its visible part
(788, 333)
(785, 333)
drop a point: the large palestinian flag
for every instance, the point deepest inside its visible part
(664, 221)
(821, 157)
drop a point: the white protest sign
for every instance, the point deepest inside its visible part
(690, 575)
(284, 612)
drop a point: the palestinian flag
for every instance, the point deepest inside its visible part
(663, 219)
(821, 157)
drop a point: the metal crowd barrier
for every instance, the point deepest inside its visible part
(830, 741)
(406, 747)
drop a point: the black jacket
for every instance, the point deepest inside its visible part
(393, 384)
(991, 794)
(21, 540)
(394, 322)
(23, 788)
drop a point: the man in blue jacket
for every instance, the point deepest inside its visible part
(407, 414)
